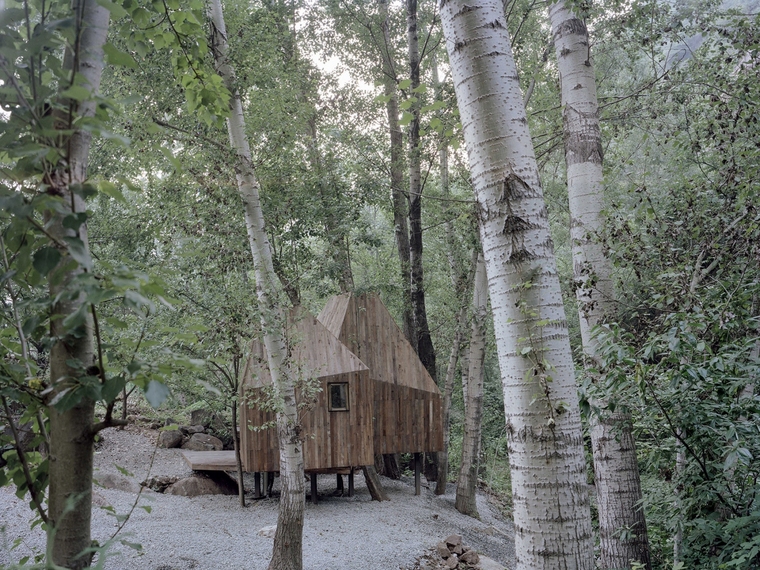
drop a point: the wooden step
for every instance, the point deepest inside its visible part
(210, 460)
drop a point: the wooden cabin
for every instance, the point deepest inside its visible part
(337, 425)
(407, 402)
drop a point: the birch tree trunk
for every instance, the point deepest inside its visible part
(288, 539)
(622, 527)
(72, 354)
(400, 224)
(551, 507)
(473, 397)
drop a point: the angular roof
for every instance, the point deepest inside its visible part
(366, 327)
(316, 351)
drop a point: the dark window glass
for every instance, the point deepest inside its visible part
(337, 397)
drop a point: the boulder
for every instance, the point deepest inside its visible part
(170, 439)
(115, 481)
(470, 558)
(453, 561)
(453, 540)
(203, 442)
(160, 483)
(197, 485)
(443, 550)
(190, 430)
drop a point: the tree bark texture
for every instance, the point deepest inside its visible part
(622, 526)
(287, 550)
(551, 507)
(448, 389)
(473, 397)
(72, 355)
(398, 195)
(422, 343)
(238, 460)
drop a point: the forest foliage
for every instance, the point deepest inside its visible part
(167, 275)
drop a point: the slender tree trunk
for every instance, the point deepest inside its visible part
(448, 389)
(551, 507)
(401, 228)
(238, 460)
(616, 470)
(473, 397)
(72, 354)
(287, 551)
(422, 343)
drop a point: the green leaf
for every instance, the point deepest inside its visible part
(123, 470)
(115, 56)
(135, 545)
(113, 387)
(75, 221)
(112, 191)
(526, 350)
(117, 12)
(405, 84)
(405, 119)
(156, 393)
(79, 252)
(77, 92)
(76, 319)
(45, 260)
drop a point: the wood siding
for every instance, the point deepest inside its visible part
(330, 439)
(408, 415)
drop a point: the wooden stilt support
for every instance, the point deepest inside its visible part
(339, 491)
(351, 483)
(417, 470)
(257, 485)
(314, 488)
(374, 485)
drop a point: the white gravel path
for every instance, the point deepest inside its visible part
(214, 533)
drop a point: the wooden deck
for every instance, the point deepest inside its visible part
(210, 460)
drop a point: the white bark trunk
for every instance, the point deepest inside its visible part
(622, 527)
(473, 396)
(287, 550)
(551, 508)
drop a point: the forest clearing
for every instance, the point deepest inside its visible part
(212, 532)
(445, 247)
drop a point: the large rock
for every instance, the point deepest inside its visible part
(470, 558)
(443, 550)
(203, 442)
(115, 481)
(197, 485)
(190, 430)
(170, 438)
(268, 531)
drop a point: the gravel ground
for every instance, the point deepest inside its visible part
(213, 532)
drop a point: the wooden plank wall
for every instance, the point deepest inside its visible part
(408, 416)
(331, 439)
